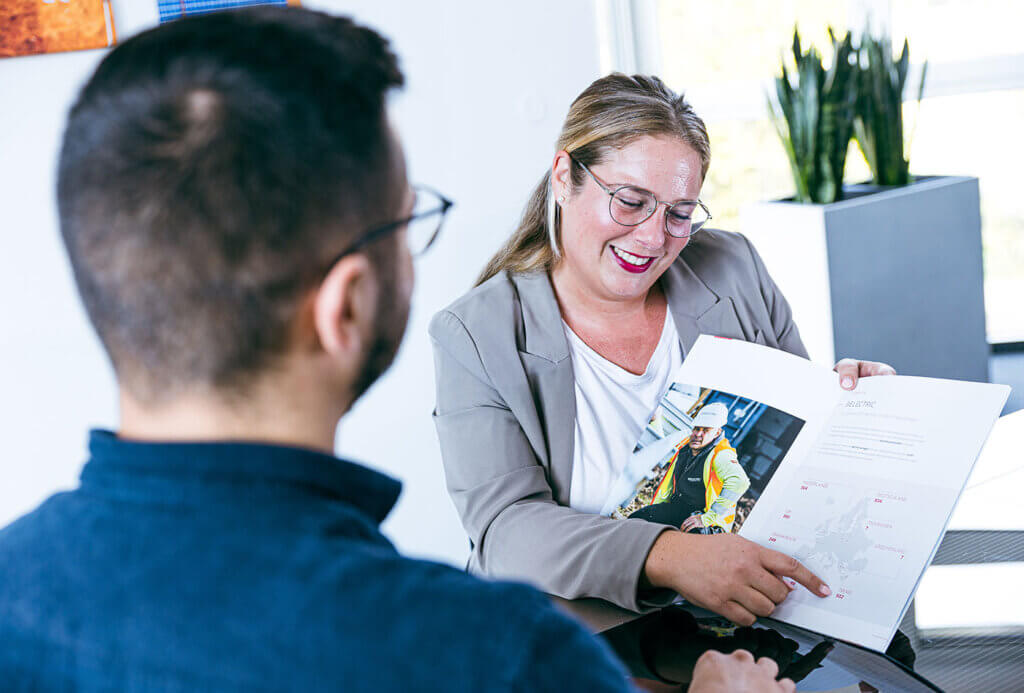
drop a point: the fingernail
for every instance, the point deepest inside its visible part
(847, 383)
(825, 591)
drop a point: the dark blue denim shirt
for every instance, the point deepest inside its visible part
(237, 566)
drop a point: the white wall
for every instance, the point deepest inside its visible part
(488, 86)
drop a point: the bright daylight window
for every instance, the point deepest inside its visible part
(724, 53)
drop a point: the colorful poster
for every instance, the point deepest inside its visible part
(176, 9)
(29, 27)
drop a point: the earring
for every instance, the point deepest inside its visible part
(561, 199)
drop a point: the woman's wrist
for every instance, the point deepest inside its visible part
(661, 565)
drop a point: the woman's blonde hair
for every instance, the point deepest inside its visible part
(611, 113)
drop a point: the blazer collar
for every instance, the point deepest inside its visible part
(686, 292)
(544, 335)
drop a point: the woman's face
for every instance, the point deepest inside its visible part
(601, 256)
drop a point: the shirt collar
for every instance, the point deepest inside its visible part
(116, 461)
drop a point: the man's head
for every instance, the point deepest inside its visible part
(707, 425)
(211, 171)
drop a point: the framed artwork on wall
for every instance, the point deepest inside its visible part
(29, 27)
(176, 9)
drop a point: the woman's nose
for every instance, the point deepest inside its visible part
(651, 232)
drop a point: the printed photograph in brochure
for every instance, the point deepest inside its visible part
(703, 460)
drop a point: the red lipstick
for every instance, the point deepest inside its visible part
(635, 269)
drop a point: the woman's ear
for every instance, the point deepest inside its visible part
(561, 175)
(344, 306)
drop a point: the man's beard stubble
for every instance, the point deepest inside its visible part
(388, 327)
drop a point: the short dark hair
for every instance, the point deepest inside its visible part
(209, 168)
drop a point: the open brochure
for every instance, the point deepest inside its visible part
(858, 485)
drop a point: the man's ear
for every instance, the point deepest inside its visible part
(344, 305)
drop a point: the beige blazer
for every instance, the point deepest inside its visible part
(506, 412)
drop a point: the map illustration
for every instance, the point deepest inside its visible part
(853, 535)
(840, 543)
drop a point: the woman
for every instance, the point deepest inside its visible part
(548, 368)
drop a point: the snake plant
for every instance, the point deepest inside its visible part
(814, 115)
(879, 123)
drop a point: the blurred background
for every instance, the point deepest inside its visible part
(488, 86)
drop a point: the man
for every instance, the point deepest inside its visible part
(237, 215)
(704, 480)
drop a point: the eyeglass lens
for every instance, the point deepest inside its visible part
(632, 206)
(427, 215)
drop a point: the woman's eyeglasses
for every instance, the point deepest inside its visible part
(631, 206)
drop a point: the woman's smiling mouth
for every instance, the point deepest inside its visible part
(630, 262)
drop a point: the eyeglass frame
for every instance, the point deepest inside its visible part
(377, 232)
(657, 202)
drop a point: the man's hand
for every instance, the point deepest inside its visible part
(725, 573)
(692, 522)
(850, 370)
(721, 673)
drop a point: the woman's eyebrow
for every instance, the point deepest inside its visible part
(615, 186)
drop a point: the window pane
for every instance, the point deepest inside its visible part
(978, 135)
(944, 31)
(708, 43)
(748, 164)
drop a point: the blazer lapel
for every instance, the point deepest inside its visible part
(695, 308)
(544, 353)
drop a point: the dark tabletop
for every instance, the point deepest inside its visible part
(660, 650)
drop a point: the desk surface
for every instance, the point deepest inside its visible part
(968, 618)
(661, 648)
(992, 498)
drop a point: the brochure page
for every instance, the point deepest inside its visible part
(858, 485)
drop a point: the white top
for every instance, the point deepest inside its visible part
(612, 408)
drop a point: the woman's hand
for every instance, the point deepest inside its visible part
(692, 522)
(725, 573)
(850, 370)
(721, 673)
